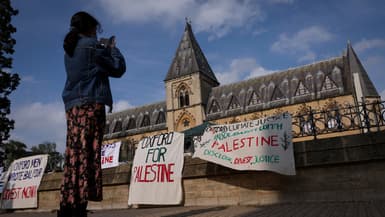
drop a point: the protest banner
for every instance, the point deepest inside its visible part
(110, 155)
(23, 180)
(263, 144)
(2, 175)
(157, 170)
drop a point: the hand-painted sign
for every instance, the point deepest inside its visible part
(157, 170)
(23, 180)
(263, 144)
(2, 174)
(110, 155)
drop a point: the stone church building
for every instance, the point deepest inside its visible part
(194, 96)
(338, 126)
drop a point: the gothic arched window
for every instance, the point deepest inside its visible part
(234, 103)
(145, 121)
(328, 84)
(161, 118)
(301, 90)
(131, 124)
(118, 126)
(181, 99)
(214, 107)
(184, 98)
(254, 99)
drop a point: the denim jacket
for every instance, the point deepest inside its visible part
(88, 73)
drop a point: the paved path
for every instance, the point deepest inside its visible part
(327, 209)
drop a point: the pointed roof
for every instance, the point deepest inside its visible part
(280, 88)
(150, 112)
(189, 58)
(355, 66)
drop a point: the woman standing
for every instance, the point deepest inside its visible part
(86, 93)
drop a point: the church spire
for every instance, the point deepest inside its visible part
(189, 58)
(355, 66)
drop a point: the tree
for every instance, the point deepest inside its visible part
(55, 159)
(8, 80)
(44, 148)
(14, 150)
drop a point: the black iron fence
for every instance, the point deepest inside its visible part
(366, 117)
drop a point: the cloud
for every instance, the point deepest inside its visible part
(219, 17)
(300, 43)
(259, 31)
(38, 122)
(121, 105)
(365, 44)
(146, 10)
(45, 122)
(214, 16)
(308, 57)
(240, 69)
(7, 70)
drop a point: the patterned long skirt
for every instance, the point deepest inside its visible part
(82, 179)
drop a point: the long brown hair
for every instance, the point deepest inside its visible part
(81, 23)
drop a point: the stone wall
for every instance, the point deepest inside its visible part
(350, 182)
(349, 168)
(115, 189)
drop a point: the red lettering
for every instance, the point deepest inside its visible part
(235, 144)
(244, 160)
(108, 159)
(29, 192)
(137, 171)
(222, 147)
(269, 141)
(248, 141)
(11, 194)
(170, 172)
(154, 173)
(161, 175)
(248, 159)
(214, 144)
(149, 171)
(228, 149)
(265, 140)
(274, 140)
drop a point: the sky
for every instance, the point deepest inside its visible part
(240, 39)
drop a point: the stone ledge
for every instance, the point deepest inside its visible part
(339, 150)
(111, 176)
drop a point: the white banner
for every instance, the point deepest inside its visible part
(23, 180)
(157, 170)
(110, 155)
(263, 144)
(2, 175)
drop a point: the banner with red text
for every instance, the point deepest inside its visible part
(110, 155)
(263, 144)
(2, 174)
(24, 176)
(157, 170)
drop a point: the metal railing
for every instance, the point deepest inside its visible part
(366, 117)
